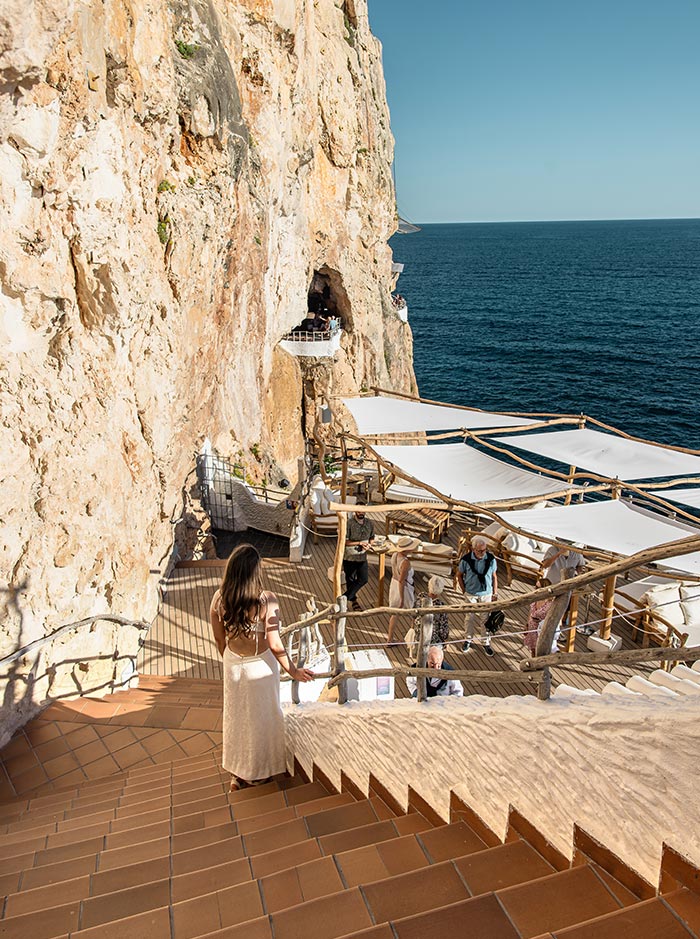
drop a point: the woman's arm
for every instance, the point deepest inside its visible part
(217, 624)
(274, 641)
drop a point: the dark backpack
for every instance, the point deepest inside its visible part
(494, 621)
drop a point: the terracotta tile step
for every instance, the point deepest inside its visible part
(647, 919)
(481, 917)
(379, 861)
(258, 823)
(373, 833)
(153, 924)
(407, 894)
(42, 924)
(335, 915)
(229, 906)
(259, 928)
(557, 901)
(310, 881)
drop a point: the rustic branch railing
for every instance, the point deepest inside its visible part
(535, 669)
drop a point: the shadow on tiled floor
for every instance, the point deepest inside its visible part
(269, 546)
(86, 738)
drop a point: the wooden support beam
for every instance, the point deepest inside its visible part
(465, 675)
(571, 623)
(382, 578)
(608, 606)
(340, 552)
(340, 650)
(626, 657)
(426, 633)
(344, 472)
(546, 638)
(304, 642)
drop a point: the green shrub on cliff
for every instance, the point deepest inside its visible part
(186, 50)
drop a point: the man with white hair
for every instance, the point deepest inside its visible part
(441, 684)
(478, 579)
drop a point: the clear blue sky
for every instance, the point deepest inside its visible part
(543, 109)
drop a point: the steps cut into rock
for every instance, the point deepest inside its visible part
(165, 851)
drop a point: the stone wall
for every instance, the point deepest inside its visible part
(172, 175)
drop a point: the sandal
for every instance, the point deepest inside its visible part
(237, 784)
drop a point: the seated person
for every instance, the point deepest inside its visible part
(441, 627)
(440, 685)
(320, 323)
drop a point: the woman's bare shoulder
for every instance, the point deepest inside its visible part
(215, 601)
(268, 596)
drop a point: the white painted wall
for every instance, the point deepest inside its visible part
(625, 770)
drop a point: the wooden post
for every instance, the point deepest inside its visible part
(573, 619)
(339, 552)
(341, 648)
(344, 472)
(382, 576)
(423, 646)
(545, 639)
(608, 606)
(304, 635)
(572, 473)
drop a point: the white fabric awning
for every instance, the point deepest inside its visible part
(386, 415)
(690, 497)
(461, 472)
(612, 526)
(606, 454)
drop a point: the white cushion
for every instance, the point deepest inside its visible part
(667, 601)
(429, 550)
(690, 604)
(328, 496)
(693, 634)
(528, 554)
(493, 532)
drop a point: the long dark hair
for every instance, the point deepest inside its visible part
(241, 591)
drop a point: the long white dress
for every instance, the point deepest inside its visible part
(395, 590)
(253, 726)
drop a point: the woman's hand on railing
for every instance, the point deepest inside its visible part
(302, 674)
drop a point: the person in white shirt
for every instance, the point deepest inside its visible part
(557, 564)
(441, 684)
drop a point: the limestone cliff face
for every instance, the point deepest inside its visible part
(172, 176)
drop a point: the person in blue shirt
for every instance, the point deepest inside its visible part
(478, 579)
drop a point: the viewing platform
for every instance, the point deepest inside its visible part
(318, 344)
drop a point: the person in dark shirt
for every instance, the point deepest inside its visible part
(359, 535)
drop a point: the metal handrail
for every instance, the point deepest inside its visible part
(321, 335)
(106, 617)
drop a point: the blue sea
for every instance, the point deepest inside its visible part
(595, 317)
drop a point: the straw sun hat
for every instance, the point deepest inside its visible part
(407, 543)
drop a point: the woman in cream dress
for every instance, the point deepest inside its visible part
(245, 620)
(401, 592)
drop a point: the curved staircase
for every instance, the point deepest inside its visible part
(162, 850)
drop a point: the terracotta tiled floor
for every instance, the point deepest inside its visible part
(72, 741)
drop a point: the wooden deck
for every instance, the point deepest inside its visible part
(180, 641)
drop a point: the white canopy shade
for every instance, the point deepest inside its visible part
(606, 454)
(689, 497)
(461, 472)
(386, 415)
(612, 526)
